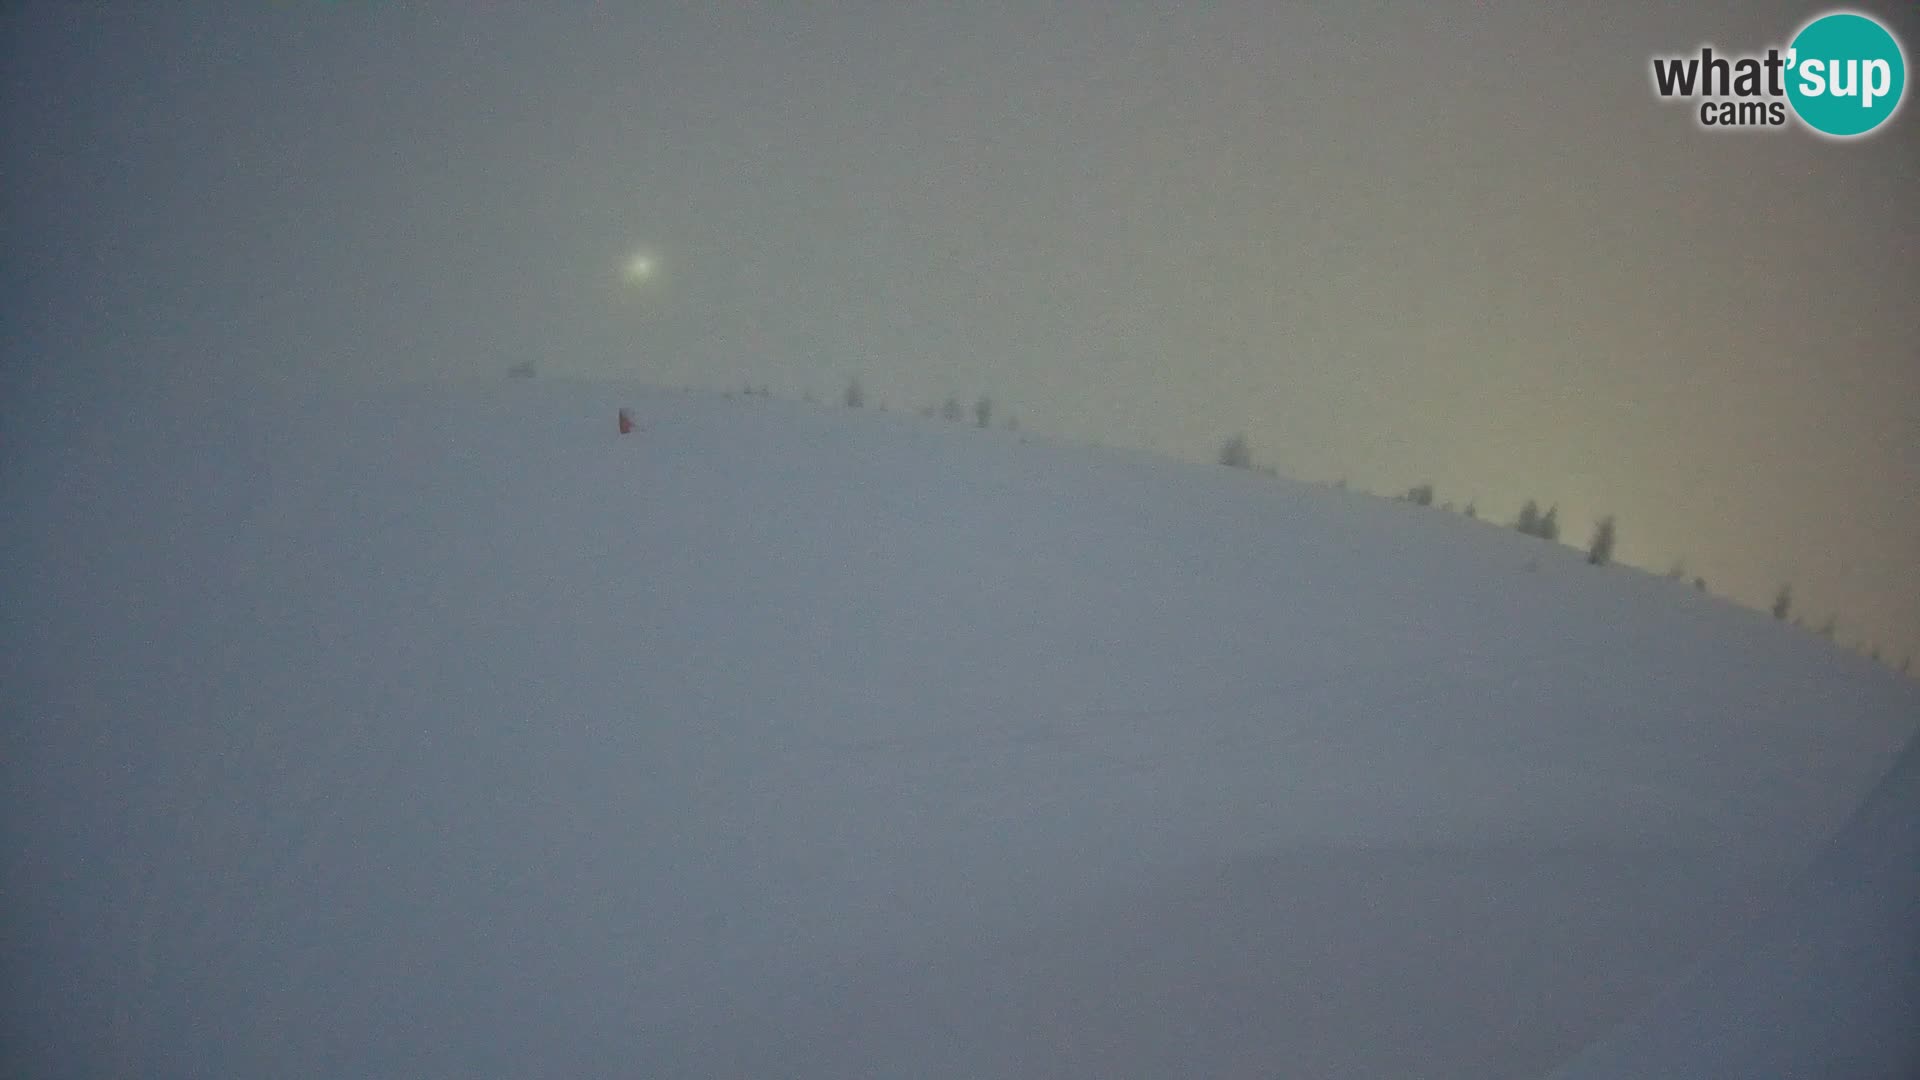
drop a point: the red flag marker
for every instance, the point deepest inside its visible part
(626, 422)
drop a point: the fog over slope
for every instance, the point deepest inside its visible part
(444, 731)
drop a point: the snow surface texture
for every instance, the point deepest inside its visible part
(1828, 986)
(450, 733)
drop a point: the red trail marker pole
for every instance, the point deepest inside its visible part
(626, 422)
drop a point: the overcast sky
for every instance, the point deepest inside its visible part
(1447, 242)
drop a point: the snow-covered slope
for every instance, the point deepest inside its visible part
(449, 733)
(1827, 985)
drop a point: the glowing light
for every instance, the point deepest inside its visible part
(641, 267)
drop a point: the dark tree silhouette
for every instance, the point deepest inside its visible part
(1600, 550)
(1529, 520)
(1234, 453)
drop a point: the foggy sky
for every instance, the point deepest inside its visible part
(1458, 243)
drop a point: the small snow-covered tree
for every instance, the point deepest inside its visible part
(1600, 550)
(1235, 454)
(1529, 520)
(951, 410)
(855, 397)
(1550, 524)
(983, 412)
(1420, 495)
(1783, 602)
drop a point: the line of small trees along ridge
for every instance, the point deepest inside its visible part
(854, 397)
(1237, 453)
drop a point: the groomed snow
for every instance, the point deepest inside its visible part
(443, 731)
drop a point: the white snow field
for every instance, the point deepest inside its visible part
(445, 732)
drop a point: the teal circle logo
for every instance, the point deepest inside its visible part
(1846, 74)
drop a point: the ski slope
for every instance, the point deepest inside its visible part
(442, 731)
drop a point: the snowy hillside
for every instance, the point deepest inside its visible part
(454, 734)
